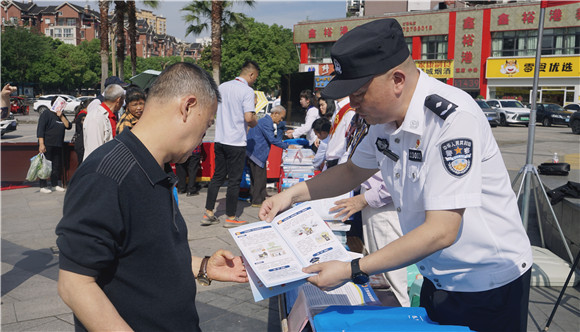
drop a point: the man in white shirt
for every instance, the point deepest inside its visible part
(100, 123)
(235, 114)
(336, 149)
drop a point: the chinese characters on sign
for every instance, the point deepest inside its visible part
(469, 23)
(413, 27)
(553, 68)
(312, 33)
(503, 19)
(437, 68)
(528, 17)
(328, 32)
(556, 15)
(468, 39)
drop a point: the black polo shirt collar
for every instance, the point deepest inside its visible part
(146, 161)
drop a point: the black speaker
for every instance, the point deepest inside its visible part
(554, 168)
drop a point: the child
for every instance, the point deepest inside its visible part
(135, 101)
(321, 128)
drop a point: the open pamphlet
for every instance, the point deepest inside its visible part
(58, 105)
(276, 252)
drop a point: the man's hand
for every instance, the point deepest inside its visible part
(289, 133)
(349, 206)
(273, 205)
(224, 266)
(330, 275)
(41, 148)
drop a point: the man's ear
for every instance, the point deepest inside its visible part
(399, 81)
(187, 107)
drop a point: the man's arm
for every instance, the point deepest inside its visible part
(89, 303)
(332, 182)
(222, 266)
(439, 231)
(251, 119)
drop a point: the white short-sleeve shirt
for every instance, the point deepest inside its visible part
(445, 164)
(237, 100)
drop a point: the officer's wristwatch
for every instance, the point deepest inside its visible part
(358, 276)
(202, 276)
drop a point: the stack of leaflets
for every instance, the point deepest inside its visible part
(275, 253)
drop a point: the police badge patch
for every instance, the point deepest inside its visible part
(457, 156)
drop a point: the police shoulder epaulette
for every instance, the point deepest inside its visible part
(440, 106)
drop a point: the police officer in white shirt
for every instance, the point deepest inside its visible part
(448, 182)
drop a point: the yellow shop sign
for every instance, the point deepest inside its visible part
(436, 68)
(516, 67)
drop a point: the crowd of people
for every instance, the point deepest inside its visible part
(425, 170)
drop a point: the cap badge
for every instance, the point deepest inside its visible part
(337, 67)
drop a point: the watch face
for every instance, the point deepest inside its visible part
(203, 280)
(360, 278)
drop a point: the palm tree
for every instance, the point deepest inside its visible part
(120, 10)
(221, 19)
(132, 31)
(104, 34)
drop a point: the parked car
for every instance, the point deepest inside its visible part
(572, 107)
(9, 124)
(549, 114)
(510, 111)
(43, 103)
(489, 112)
(575, 122)
(18, 105)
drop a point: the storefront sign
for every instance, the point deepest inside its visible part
(437, 68)
(321, 81)
(563, 66)
(524, 17)
(466, 83)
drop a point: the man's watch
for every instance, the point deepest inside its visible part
(358, 276)
(202, 276)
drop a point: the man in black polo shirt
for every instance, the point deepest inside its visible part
(125, 262)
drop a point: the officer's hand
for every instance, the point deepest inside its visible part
(330, 275)
(273, 205)
(349, 206)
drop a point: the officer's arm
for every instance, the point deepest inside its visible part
(89, 303)
(332, 182)
(439, 231)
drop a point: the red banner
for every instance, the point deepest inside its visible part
(553, 3)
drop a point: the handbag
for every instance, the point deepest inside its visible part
(554, 168)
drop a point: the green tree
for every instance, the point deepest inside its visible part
(201, 15)
(20, 50)
(271, 47)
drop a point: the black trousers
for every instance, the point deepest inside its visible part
(54, 154)
(500, 309)
(188, 168)
(229, 163)
(259, 177)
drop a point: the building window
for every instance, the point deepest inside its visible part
(434, 47)
(71, 22)
(561, 41)
(47, 21)
(83, 34)
(319, 52)
(57, 33)
(514, 43)
(67, 33)
(48, 32)
(524, 43)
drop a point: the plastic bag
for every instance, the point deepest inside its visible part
(40, 167)
(35, 164)
(45, 169)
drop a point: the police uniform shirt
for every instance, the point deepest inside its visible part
(450, 161)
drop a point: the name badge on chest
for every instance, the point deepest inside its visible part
(415, 155)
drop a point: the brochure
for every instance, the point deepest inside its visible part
(58, 105)
(276, 252)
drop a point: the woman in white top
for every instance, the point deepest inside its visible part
(307, 102)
